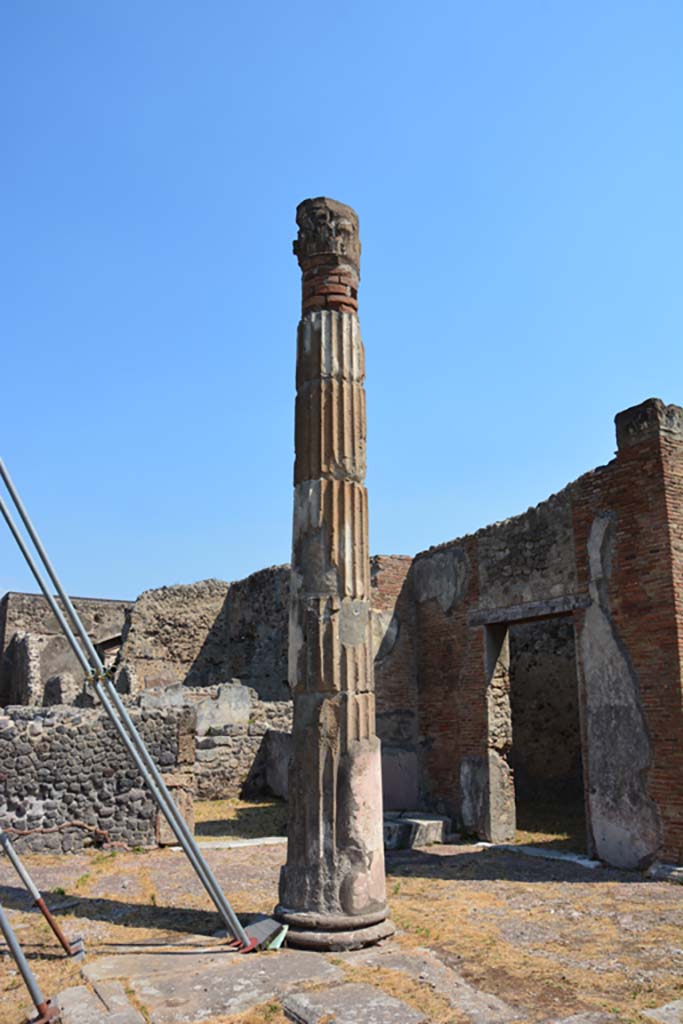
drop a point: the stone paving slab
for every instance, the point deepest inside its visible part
(350, 1004)
(108, 1004)
(114, 998)
(587, 1018)
(234, 844)
(78, 1005)
(670, 1013)
(480, 1007)
(182, 988)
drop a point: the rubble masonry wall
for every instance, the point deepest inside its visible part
(62, 765)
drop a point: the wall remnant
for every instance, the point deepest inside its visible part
(625, 598)
(203, 634)
(231, 727)
(602, 561)
(37, 666)
(63, 765)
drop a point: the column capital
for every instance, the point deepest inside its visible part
(327, 228)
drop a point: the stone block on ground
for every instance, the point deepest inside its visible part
(670, 1013)
(413, 828)
(108, 1004)
(666, 873)
(421, 964)
(587, 1018)
(182, 988)
(350, 1004)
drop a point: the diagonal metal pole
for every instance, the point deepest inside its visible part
(46, 1009)
(74, 948)
(124, 725)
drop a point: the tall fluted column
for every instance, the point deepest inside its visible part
(332, 888)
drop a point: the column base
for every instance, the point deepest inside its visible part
(335, 932)
(338, 941)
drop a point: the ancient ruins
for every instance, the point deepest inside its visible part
(537, 660)
(525, 679)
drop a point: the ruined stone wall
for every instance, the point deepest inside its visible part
(231, 726)
(63, 765)
(393, 634)
(627, 522)
(200, 636)
(37, 665)
(203, 634)
(606, 550)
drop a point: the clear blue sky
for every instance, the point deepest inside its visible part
(517, 170)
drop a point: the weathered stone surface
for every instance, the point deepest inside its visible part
(413, 828)
(108, 1003)
(327, 228)
(29, 616)
(587, 1018)
(624, 820)
(350, 1004)
(232, 706)
(277, 754)
(181, 787)
(442, 578)
(530, 557)
(68, 780)
(113, 997)
(423, 965)
(78, 1005)
(333, 881)
(650, 419)
(183, 988)
(204, 634)
(670, 1013)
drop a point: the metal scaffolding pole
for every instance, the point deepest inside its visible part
(46, 1009)
(74, 948)
(117, 713)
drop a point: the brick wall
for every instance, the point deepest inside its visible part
(608, 550)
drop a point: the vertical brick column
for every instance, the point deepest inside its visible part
(647, 594)
(332, 888)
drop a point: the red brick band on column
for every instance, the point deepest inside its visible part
(328, 252)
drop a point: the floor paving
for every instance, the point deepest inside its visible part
(486, 936)
(670, 1013)
(181, 988)
(350, 1004)
(477, 1006)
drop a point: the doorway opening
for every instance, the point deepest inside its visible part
(546, 735)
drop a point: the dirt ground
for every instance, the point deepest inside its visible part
(550, 938)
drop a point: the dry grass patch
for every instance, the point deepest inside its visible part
(416, 994)
(550, 948)
(240, 819)
(266, 1013)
